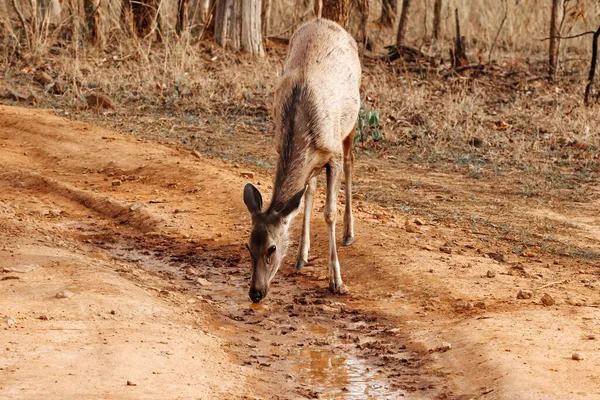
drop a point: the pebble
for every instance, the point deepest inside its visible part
(524, 294)
(445, 249)
(9, 321)
(129, 383)
(196, 154)
(203, 282)
(577, 356)
(591, 337)
(547, 300)
(491, 274)
(116, 182)
(190, 271)
(65, 294)
(247, 174)
(445, 346)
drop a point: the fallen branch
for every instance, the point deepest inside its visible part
(412, 53)
(568, 37)
(553, 284)
(477, 67)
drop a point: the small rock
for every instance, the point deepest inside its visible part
(99, 101)
(247, 174)
(408, 227)
(65, 294)
(190, 271)
(445, 347)
(58, 87)
(393, 186)
(491, 274)
(419, 222)
(446, 249)
(497, 256)
(129, 383)
(116, 182)
(547, 300)
(42, 77)
(196, 154)
(9, 321)
(577, 356)
(524, 294)
(203, 282)
(191, 301)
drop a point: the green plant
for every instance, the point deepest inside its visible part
(367, 125)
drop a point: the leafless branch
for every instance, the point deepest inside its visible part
(499, 30)
(568, 37)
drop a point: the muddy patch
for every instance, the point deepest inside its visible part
(320, 343)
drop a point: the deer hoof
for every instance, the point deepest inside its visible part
(300, 264)
(348, 240)
(335, 287)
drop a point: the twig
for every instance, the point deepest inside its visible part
(568, 37)
(552, 284)
(588, 87)
(289, 28)
(462, 68)
(499, 30)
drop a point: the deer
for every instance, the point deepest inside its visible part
(315, 110)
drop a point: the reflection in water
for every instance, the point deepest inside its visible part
(339, 376)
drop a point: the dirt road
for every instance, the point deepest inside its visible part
(124, 275)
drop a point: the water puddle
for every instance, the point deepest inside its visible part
(338, 376)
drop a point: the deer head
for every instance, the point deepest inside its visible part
(268, 238)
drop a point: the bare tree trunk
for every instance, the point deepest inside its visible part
(143, 15)
(93, 12)
(237, 25)
(363, 8)
(336, 10)
(437, 19)
(182, 16)
(402, 27)
(588, 87)
(554, 41)
(266, 17)
(389, 9)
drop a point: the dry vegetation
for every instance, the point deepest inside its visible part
(486, 123)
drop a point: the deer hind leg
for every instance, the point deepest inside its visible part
(304, 245)
(334, 171)
(348, 217)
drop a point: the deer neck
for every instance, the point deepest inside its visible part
(296, 148)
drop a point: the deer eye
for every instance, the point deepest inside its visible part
(271, 251)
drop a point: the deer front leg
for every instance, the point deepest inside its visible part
(348, 218)
(304, 245)
(334, 170)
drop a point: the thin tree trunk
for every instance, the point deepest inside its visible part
(588, 87)
(554, 41)
(266, 17)
(389, 9)
(363, 8)
(182, 16)
(437, 19)
(238, 25)
(93, 10)
(336, 10)
(403, 25)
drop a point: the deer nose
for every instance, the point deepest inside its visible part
(255, 295)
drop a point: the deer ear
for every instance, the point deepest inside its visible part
(293, 204)
(252, 199)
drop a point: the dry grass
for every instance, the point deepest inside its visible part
(211, 100)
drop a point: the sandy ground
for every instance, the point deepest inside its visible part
(124, 275)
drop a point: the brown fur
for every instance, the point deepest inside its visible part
(315, 111)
